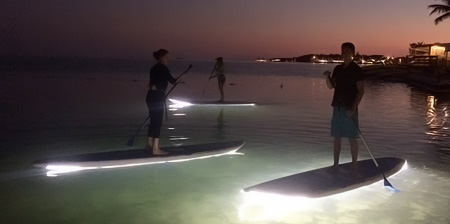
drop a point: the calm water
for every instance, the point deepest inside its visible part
(53, 113)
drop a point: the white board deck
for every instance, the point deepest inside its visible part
(321, 182)
(137, 157)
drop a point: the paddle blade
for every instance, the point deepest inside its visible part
(389, 186)
(130, 142)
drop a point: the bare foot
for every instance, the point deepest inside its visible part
(354, 171)
(333, 169)
(159, 152)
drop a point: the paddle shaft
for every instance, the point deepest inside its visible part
(178, 81)
(131, 141)
(203, 93)
(365, 144)
(386, 182)
(209, 78)
(173, 87)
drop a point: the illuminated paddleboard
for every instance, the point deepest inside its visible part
(323, 182)
(136, 157)
(184, 103)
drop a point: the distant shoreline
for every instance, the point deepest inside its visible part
(83, 64)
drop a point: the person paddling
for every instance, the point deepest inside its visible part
(160, 77)
(219, 72)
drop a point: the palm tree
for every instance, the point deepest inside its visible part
(444, 10)
(412, 47)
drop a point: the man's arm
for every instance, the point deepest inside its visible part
(330, 83)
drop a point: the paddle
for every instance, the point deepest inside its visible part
(380, 169)
(209, 78)
(130, 142)
(178, 81)
(173, 87)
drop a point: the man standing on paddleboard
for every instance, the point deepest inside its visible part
(348, 83)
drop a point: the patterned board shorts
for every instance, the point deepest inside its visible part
(342, 125)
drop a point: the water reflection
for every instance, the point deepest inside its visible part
(220, 126)
(437, 120)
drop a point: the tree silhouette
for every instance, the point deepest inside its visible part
(414, 45)
(444, 10)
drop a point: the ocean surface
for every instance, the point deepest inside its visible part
(55, 113)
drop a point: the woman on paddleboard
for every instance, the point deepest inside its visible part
(160, 77)
(219, 71)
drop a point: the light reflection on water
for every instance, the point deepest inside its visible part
(287, 133)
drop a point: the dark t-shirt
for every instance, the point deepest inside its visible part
(345, 88)
(160, 77)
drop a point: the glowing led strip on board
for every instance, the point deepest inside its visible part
(270, 206)
(58, 168)
(178, 138)
(181, 104)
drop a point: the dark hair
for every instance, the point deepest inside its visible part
(349, 45)
(160, 53)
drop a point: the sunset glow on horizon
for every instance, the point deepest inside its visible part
(235, 30)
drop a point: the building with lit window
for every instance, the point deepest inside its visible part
(430, 54)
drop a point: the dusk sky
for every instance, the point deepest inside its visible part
(205, 29)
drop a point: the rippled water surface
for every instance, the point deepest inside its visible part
(54, 113)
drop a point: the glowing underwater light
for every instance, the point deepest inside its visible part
(60, 168)
(179, 104)
(54, 170)
(178, 138)
(260, 206)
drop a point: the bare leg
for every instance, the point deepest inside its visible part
(354, 151)
(221, 92)
(337, 150)
(336, 153)
(149, 145)
(155, 148)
